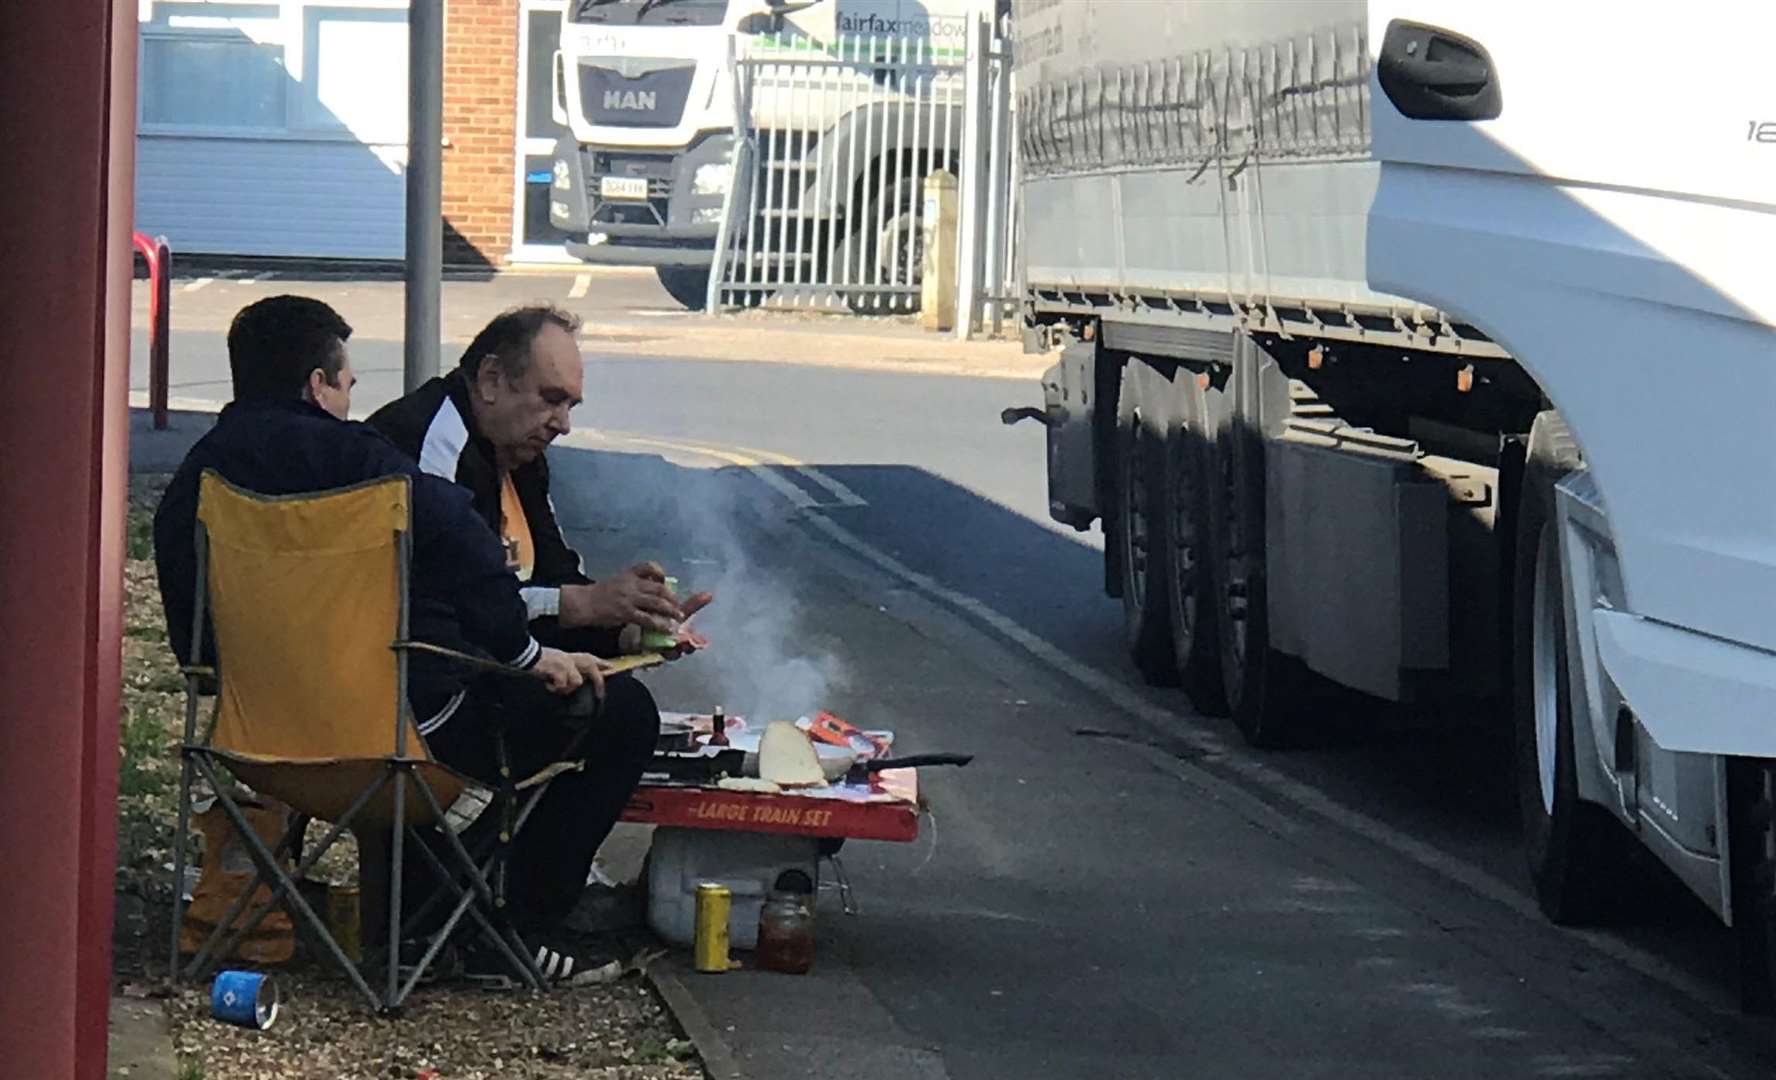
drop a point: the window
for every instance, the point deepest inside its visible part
(299, 69)
(355, 73)
(213, 66)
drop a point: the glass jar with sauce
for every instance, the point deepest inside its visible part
(786, 932)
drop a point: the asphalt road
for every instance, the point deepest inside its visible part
(1116, 887)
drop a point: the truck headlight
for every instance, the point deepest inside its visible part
(712, 179)
(563, 179)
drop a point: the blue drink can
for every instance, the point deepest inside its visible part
(247, 999)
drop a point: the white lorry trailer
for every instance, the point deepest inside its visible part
(1428, 348)
(647, 89)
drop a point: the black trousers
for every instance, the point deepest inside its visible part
(552, 854)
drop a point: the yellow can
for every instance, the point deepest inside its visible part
(344, 920)
(714, 902)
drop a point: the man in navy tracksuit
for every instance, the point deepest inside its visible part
(487, 426)
(285, 434)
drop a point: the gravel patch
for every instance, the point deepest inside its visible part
(324, 1031)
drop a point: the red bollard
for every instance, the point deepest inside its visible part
(160, 281)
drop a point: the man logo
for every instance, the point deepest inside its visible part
(631, 100)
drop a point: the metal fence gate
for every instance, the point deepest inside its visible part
(833, 145)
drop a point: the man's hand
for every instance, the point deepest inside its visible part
(592, 670)
(637, 595)
(562, 671)
(689, 640)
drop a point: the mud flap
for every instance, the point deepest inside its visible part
(1068, 391)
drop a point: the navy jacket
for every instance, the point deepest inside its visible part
(435, 426)
(461, 593)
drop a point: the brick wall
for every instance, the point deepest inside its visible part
(480, 119)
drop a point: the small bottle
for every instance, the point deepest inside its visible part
(786, 933)
(718, 727)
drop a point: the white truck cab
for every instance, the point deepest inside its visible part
(1628, 276)
(647, 89)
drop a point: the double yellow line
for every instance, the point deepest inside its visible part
(766, 465)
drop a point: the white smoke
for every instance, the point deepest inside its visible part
(763, 664)
(765, 661)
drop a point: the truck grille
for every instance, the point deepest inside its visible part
(624, 92)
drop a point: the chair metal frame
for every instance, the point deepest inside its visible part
(467, 883)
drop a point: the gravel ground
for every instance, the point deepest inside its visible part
(324, 1032)
(618, 1031)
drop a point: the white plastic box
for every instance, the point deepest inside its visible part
(747, 863)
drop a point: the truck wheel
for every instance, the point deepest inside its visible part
(1183, 538)
(1751, 821)
(1571, 845)
(1140, 463)
(689, 287)
(891, 228)
(1262, 685)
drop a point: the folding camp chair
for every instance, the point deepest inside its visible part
(307, 596)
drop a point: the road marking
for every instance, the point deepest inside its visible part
(1254, 773)
(800, 499)
(582, 282)
(836, 488)
(193, 286)
(756, 461)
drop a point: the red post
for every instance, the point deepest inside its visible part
(66, 200)
(160, 285)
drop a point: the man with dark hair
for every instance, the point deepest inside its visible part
(291, 347)
(285, 434)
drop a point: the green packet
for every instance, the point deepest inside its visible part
(659, 641)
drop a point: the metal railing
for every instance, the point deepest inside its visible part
(832, 149)
(160, 277)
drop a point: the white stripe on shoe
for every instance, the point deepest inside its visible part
(563, 969)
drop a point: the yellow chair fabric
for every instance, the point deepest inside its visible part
(304, 597)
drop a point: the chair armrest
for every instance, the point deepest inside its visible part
(633, 662)
(479, 663)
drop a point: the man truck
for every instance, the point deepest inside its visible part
(647, 89)
(1427, 349)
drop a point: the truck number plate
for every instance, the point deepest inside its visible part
(623, 187)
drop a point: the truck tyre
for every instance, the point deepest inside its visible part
(1183, 538)
(690, 287)
(1571, 845)
(1751, 824)
(1262, 686)
(890, 220)
(1140, 462)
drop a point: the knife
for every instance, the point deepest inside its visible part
(860, 772)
